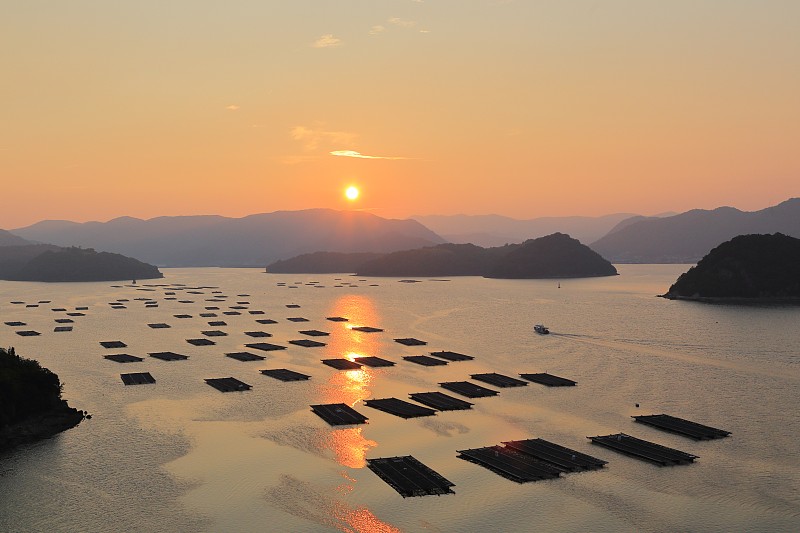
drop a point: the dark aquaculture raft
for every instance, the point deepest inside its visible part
(682, 427)
(409, 477)
(645, 450)
(531, 460)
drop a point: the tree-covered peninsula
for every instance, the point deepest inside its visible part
(747, 267)
(45, 262)
(31, 407)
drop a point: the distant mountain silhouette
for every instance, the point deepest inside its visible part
(747, 266)
(497, 230)
(687, 237)
(46, 262)
(553, 256)
(254, 240)
(9, 239)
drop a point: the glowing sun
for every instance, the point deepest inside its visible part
(351, 193)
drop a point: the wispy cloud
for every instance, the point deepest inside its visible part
(232, 107)
(353, 153)
(326, 41)
(313, 137)
(403, 23)
(375, 30)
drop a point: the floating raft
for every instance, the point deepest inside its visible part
(208, 315)
(642, 449)
(367, 329)
(550, 380)
(409, 477)
(297, 319)
(510, 464)
(398, 407)
(63, 321)
(338, 414)
(293, 306)
(58, 309)
(307, 343)
(123, 358)
(440, 401)
(245, 356)
(499, 380)
(113, 344)
(341, 364)
(159, 325)
(231, 313)
(265, 346)
(564, 458)
(16, 324)
(214, 333)
(141, 378)
(59, 329)
(452, 356)
(28, 333)
(257, 334)
(76, 313)
(228, 384)
(373, 361)
(256, 312)
(424, 360)
(238, 307)
(182, 316)
(470, 390)
(266, 321)
(285, 375)
(217, 323)
(314, 333)
(410, 341)
(682, 427)
(200, 342)
(168, 356)
(337, 319)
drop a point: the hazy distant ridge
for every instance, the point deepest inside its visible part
(497, 230)
(254, 240)
(9, 239)
(687, 237)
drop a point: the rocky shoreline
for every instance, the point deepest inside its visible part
(41, 426)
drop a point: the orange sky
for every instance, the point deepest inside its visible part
(519, 108)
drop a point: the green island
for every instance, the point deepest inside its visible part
(554, 256)
(746, 268)
(31, 407)
(46, 262)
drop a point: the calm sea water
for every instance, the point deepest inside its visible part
(181, 456)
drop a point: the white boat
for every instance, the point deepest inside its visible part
(540, 329)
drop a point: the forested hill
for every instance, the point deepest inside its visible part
(747, 266)
(45, 262)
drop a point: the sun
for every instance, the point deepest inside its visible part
(351, 193)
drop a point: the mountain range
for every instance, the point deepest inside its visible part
(255, 240)
(497, 230)
(261, 239)
(687, 237)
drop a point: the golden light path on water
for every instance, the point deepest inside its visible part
(350, 387)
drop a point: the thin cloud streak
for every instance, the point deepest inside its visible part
(358, 155)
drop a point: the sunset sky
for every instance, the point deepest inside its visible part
(523, 108)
